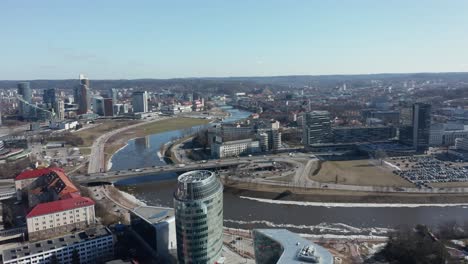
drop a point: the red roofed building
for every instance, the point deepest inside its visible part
(61, 216)
(55, 203)
(27, 177)
(44, 185)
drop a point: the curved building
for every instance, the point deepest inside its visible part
(198, 203)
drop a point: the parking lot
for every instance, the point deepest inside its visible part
(422, 170)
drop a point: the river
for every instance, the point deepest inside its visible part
(242, 212)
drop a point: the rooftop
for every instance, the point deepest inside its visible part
(29, 174)
(293, 245)
(154, 215)
(60, 205)
(55, 179)
(195, 176)
(28, 249)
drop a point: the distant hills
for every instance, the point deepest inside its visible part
(200, 83)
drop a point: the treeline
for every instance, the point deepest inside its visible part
(419, 245)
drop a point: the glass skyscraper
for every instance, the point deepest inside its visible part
(198, 203)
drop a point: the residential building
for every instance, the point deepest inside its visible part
(316, 128)
(59, 110)
(140, 101)
(270, 139)
(280, 246)
(55, 204)
(94, 245)
(156, 227)
(234, 148)
(198, 203)
(59, 217)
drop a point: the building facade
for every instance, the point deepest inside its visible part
(198, 203)
(58, 217)
(316, 127)
(421, 126)
(156, 227)
(94, 245)
(82, 96)
(140, 102)
(24, 90)
(234, 148)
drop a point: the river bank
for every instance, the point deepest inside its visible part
(118, 142)
(275, 192)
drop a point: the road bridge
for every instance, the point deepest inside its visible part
(113, 176)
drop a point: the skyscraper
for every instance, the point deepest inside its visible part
(59, 110)
(113, 94)
(198, 203)
(421, 126)
(140, 102)
(24, 89)
(316, 128)
(49, 97)
(82, 95)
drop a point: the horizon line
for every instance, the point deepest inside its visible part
(250, 76)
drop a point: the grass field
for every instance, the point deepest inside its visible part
(358, 172)
(116, 142)
(89, 135)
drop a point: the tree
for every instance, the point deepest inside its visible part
(380, 154)
(75, 257)
(413, 245)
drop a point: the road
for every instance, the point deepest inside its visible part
(97, 159)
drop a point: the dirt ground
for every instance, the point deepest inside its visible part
(357, 172)
(449, 184)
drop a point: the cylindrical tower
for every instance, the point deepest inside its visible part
(198, 203)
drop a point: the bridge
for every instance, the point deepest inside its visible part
(113, 176)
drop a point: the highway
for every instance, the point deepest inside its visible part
(302, 163)
(97, 162)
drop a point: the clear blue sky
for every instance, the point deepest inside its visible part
(42, 39)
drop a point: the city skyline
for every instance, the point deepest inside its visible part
(211, 39)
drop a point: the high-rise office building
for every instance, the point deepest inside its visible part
(198, 203)
(49, 97)
(140, 102)
(316, 128)
(113, 94)
(82, 95)
(421, 126)
(24, 90)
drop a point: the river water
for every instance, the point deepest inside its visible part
(240, 211)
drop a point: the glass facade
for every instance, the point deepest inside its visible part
(267, 250)
(198, 203)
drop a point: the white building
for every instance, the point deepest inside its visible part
(234, 148)
(47, 219)
(461, 144)
(445, 134)
(63, 125)
(94, 245)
